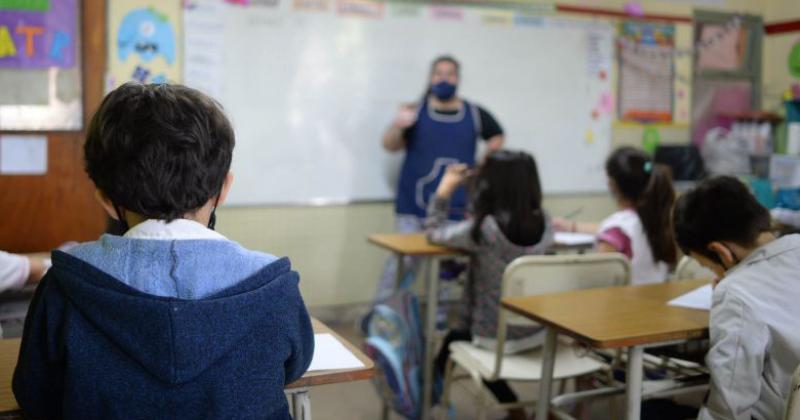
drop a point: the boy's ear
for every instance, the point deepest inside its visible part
(107, 205)
(723, 253)
(226, 187)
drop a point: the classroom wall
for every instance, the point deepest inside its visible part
(328, 245)
(776, 51)
(41, 212)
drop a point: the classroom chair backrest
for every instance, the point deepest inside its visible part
(542, 274)
(793, 403)
(689, 269)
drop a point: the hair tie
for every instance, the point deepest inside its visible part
(648, 167)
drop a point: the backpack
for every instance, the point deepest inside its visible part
(394, 340)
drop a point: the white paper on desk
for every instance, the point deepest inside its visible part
(23, 155)
(699, 298)
(573, 239)
(329, 354)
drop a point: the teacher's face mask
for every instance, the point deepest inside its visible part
(443, 90)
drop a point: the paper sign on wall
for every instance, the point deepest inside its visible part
(23, 155)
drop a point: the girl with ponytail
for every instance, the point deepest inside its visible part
(642, 228)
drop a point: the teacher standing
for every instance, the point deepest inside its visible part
(442, 129)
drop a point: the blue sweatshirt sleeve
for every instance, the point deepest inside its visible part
(38, 377)
(301, 337)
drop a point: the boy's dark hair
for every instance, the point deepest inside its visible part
(507, 187)
(159, 150)
(648, 186)
(719, 209)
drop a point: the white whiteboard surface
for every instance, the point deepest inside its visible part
(310, 93)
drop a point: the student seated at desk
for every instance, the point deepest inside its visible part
(641, 228)
(508, 222)
(170, 320)
(755, 339)
(17, 270)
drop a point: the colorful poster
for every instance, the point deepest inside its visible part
(646, 72)
(498, 18)
(144, 41)
(447, 13)
(360, 8)
(721, 47)
(649, 34)
(310, 5)
(38, 34)
(31, 5)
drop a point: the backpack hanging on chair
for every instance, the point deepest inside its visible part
(394, 340)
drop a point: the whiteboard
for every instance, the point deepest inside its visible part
(310, 93)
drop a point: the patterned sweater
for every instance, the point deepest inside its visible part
(488, 260)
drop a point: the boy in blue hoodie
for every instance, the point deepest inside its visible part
(171, 320)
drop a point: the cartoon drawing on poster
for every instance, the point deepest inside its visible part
(147, 34)
(144, 45)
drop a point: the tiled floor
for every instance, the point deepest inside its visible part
(360, 401)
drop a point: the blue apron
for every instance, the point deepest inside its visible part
(436, 141)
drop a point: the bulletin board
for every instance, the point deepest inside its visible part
(40, 72)
(646, 71)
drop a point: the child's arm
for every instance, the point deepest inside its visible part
(735, 361)
(614, 240)
(457, 235)
(39, 265)
(564, 225)
(37, 382)
(301, 337)
(439, 231)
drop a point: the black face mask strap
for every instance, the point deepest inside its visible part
(121, 217)
(212, 221)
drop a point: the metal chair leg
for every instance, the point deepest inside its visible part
(448, 381)
(385, 411)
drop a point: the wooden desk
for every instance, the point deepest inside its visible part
(326, 377)
(417, 245)
(9, 350)
(613, 317)
(411, 244)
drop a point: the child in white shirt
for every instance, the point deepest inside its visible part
(641, 228)
(755, 339)
(18, 270)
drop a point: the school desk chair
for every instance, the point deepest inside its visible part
(526, 276)
(793, 403)
(683, 358)
(689, 269)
